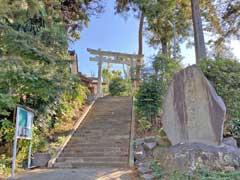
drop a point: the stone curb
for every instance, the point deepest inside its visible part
(52, 161)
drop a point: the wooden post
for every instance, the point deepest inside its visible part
(198, 32)
(99, 87)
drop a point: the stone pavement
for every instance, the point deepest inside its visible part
(77, 174)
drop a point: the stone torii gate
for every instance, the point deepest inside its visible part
(112, 57)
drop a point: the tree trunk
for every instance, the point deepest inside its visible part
(140, 48)
(198, 32)
(164, 48)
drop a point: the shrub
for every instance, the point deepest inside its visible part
(5, 165)
(199, 174)
(144, 124)
(6, 130)
(148, 98)
(224, 74)
(157, 170)
(117, 86)
(150, 95)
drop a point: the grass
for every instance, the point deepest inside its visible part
(199, 174)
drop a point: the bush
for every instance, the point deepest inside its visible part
(117, 86)
(144, 124)
(224, 74)
(150, 95)
(148, 98)
(198, 174)
(157, 170)
(5, 165)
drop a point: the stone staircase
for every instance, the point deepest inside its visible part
(103, 138)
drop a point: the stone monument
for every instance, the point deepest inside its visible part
(193, 120)
(193, 112)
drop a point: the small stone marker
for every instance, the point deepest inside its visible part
(193, 112)
(41, 159)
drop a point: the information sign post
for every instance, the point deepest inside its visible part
(23, 130)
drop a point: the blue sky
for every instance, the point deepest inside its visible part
(112, 32)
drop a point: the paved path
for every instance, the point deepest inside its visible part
(77, 174)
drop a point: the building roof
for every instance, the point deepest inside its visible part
(84, 78)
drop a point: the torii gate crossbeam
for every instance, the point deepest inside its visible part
(111, 57)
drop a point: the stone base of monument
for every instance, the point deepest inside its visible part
(193, 156)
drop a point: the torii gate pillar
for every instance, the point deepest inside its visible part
(99, 86)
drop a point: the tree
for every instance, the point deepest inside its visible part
(125, 6)
(228, 13)
(160, 15)
(198, 32)
(34, 64)
(117, 86)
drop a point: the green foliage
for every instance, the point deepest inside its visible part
(150, 95)
(6, 130)
(148, 98)
(224, 74)
(229, 17)
(54, 146)
(233, 127)
(198, 174)
(157, 171)
(144, 124)
(205, 174)
(216, 175)
(5, 165)
(34, 68)
(117, 86)
(6, 102)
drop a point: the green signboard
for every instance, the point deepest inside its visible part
(24, 123)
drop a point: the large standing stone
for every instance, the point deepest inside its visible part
(193, 112)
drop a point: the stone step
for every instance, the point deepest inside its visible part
(89, 164)
(93, 159)
(93, 153)
(96, 150)
(116, 136)
(102, 139)
(107, 125)
(95, 140)
(111, 143)
(115, 130)
(81, 145)
(103, 136)
(105, 122)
